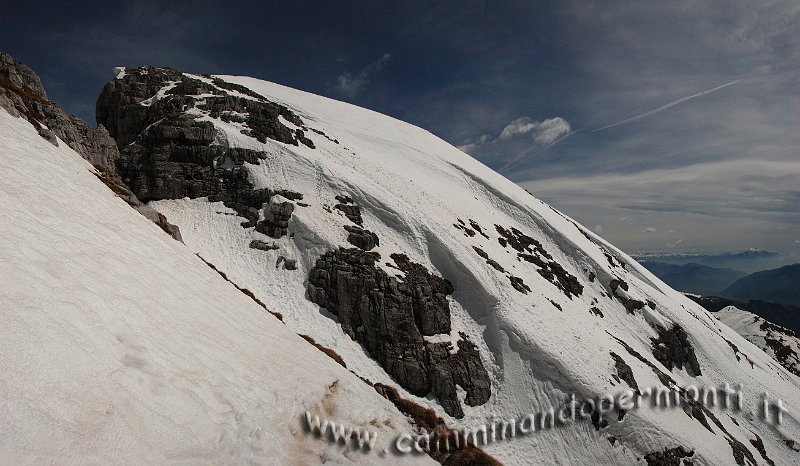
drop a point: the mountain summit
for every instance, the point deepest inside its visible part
(426, 270)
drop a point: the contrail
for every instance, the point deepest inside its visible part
(666, 106)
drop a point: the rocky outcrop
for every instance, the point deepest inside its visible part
(428, 295)
(518, 284)
(22, 95)
(631, 305)
(780, 341)
(288, 264)
(468, 232)
(167, 153)
(464, 368)
(361, 238)
(673, 349)
(349, 209)
(276, 221)
(477, 227)
(669, 457)
(532, 251)
(391, 317)
(624, 371)
(262, 245)
(131, 103)
(495, 265)
(20, 75)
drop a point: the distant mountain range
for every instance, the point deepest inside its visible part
(749, 261)
(693, 277)
(781, 285)
(777, 285)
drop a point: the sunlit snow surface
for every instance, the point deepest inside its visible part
(769, 337)
(412, 187)
(119, 346)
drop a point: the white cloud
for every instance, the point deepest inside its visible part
(552, 129)
(468, 148)
(519, 126)
(545, 132)
(349, 84)
(518, 139)
(649, 230)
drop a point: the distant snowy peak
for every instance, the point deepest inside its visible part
(780, 343)
(426, 271)
(746, 252)
(757, 252)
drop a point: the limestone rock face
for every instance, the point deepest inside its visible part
(166, 153)
(21, 75)
(276, 223)
(361, 238)
(673, 349)
(22, 95)
(390, 318)
(350, 210)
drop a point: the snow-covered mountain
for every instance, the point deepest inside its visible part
(419, 267)
(780, 343)
(782, 314)
(120, 346)
(426, 270)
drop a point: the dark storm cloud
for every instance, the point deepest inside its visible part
(696, 103)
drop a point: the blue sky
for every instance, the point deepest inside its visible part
(669, 126)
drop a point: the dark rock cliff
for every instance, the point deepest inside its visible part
(167, 153)
(22, 95)
(391, 317)
(673, 349)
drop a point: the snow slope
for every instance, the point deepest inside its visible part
(539, 346)
(780, 343)
(119, 346)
